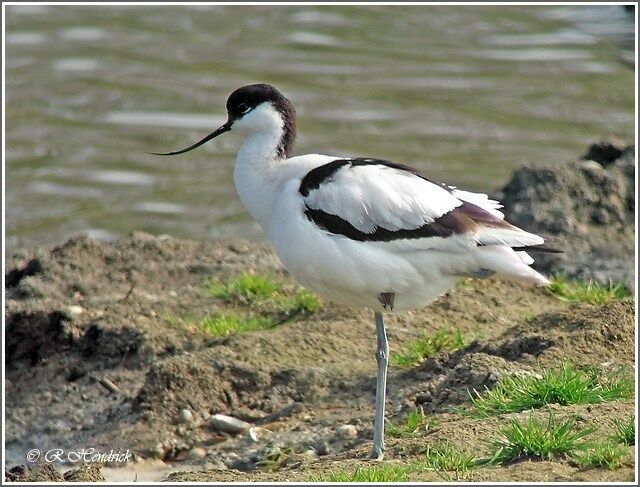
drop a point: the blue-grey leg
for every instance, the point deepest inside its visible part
(382, 354)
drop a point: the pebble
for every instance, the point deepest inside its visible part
(229, 424)
(322, 447)
(74, 310)
(255, 433)
(347, 432)
(310, 454)
(185, 416)
(591, 166)
(196, 453)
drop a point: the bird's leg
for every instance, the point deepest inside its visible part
(382, 354)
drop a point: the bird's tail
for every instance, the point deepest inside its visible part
(509, 263)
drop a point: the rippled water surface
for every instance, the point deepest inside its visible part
(466, 94)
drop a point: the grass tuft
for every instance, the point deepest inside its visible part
(302, 302)
(415, 422)
(428, 346)
(225, 324)
(609, 455)
(533, 439)
(625, 431)
(246, 287)
(255, 289)
(450, 458)
(376, 473)
(587, 291)
(565, 385)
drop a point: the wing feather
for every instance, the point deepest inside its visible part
(373, 196)
(373, 200)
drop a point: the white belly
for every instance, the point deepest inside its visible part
(348, 271)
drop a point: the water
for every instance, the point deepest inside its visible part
(466, 94)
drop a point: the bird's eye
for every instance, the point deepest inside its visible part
(243, 108)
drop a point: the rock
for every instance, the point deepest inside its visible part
(322, 448)
(584, 208)
(347, 432)
(185, 416)
(228, 424)
(606, 151)
(195, 453)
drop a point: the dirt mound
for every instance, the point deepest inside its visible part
(581, 334)
(472, 371)
(587, 208)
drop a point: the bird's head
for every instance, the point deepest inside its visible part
(252, 109)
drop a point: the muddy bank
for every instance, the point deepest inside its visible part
(587, 208)
(104, 349)
(98, 357)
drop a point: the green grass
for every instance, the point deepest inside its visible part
(625, 431)
(415, 422)
(441, 458)
(262, 290)
(225, 324)
(535, 439)
(565, 385)
(375, 473)
(450, 458)
(586, 291)
(246, 287)
(609, 455)
(428, 346)
(302, 302)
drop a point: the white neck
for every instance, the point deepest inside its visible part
(254, 173)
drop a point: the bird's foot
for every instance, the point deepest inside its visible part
(377, 454)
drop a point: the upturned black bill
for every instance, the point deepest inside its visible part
(225, 128)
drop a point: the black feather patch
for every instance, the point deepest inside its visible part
(453, 222)
(324, 173)
(539, 248)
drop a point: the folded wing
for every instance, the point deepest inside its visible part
(375, 200)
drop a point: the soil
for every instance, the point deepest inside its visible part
(102, 352)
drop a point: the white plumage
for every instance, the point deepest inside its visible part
(372, 196)
(355, 272)
(365, 232)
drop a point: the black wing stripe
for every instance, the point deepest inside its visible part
(314, 178)
(454, 222)
(539, 248)
(321, 174)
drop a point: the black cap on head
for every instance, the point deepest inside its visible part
(245, 99)
(250, 96)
